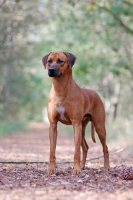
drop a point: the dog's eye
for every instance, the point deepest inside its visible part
(60, 61)
(49, 61)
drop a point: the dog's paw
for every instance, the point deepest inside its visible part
(76, 170)
(52, 169)
(82, 165)
(107, 167)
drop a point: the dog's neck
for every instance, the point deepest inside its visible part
(61, 83)
(62, 87)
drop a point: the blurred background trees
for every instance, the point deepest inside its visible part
(99, 33)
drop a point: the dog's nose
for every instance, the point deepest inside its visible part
(52, 69)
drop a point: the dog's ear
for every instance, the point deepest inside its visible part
(44, 60)
(71, 59)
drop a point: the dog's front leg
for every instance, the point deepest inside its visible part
(77, 140)
(53, 139)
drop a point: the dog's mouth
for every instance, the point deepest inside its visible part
(53, 75)
(53, 72)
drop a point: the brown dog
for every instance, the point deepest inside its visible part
(72, 105)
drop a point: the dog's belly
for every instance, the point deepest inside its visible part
(62, 117)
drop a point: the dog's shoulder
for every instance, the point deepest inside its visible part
(90, 93)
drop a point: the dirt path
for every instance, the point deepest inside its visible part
(27, 179)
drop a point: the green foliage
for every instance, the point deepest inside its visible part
(99, 33)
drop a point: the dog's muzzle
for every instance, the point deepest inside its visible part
(54, 72)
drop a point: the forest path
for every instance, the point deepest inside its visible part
(24, 162)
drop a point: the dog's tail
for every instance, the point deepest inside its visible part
(92, 133)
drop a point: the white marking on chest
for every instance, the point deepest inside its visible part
(61, 111)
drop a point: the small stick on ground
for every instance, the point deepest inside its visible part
(46, 162)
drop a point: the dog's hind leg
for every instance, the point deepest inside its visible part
(84, 144)
(101, 131)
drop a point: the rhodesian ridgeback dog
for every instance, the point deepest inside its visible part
(72, 105)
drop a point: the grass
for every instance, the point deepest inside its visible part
(8, 127)
(120, 130)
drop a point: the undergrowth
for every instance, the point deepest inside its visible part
(8, 127)
(118, 130)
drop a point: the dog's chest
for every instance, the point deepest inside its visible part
(61, 112)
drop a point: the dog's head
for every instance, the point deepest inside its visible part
(58, 62)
